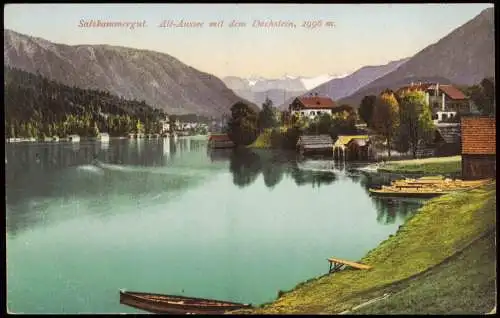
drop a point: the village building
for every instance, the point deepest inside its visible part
(220, 141)
(165, 125)
(478, 147)
(353, 147)
(74, 138)
(308, 144)
(446, 101)
(447, 140)
(311, 106)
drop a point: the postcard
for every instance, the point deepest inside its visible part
(250, 158)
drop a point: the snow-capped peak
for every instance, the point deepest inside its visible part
(312, 82)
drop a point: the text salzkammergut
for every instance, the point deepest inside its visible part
(111, 24)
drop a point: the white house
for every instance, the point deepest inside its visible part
(74, 138)
(445, 100)
(311, 106)
(103, 137)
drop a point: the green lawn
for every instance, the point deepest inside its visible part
(443, 227)
(439, 165)
(465, 284)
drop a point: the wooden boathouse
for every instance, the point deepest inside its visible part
(478, 147)
(220, 141)
(354, 147)
(315, 144)
(447, 139)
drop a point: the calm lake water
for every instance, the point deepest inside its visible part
(171, 217)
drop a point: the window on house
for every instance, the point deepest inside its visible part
(444, 116)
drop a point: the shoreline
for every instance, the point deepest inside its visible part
(420, 246)
(426, 166)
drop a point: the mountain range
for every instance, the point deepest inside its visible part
(159, 79)
(465, 56)
(257, 89)
(340, 87)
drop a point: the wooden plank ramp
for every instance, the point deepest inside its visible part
(336, 264)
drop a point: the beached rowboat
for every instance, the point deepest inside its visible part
(172, 304)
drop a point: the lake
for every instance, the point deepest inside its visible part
(169, 216)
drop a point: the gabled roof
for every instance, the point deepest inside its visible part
(452, 92)
(449, 132)
(344, 140)
(478, 135)
(310, 140)
(219, 137)
(316, 102)
(360, 142)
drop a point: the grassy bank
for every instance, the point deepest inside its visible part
(440, 233)
(439, 165)
(263, 141)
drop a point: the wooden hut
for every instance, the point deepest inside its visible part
(340, 149)
(358, 149)
(478, 147)
(447, 139)
(220, 141)
(315, 144)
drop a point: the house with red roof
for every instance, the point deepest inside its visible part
(478, 147)
(311, 106)
(445, 100)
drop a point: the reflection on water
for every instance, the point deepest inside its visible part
(169, 215)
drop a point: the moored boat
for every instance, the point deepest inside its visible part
(420, 193)
(172, 304)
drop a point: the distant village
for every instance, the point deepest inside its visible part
(450, 109)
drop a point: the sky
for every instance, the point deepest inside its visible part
(363, 34)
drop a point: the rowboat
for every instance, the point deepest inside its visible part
(172, 304)
(420, 193)
(446, 184)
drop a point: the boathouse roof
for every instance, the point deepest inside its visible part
(315, 141)
(478, 135)
(219, 137)
(344, 140)
(359, 142)
(448, 132)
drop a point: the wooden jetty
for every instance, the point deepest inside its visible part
(172, 304)
(337, 264)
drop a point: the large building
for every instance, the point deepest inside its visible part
(478, 147)
(311, 106)
(445, 100)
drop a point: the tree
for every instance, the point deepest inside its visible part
(385, 117)
(415, 120)
(483, 96)
(242, 126)
(267, 116)
(365, 110)
(139, 127)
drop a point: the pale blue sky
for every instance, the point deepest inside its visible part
(365, 34)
